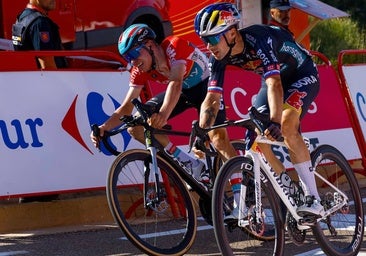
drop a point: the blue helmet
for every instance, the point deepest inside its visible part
(134, 35)
(215, 19)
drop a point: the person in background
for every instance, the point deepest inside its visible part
(175, 63)
(280, 14)
(291, 84)
(34, 30)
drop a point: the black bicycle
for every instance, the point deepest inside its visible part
(147, 188)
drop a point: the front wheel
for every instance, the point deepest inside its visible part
(340, 233)
(166, 224)
(266, 238)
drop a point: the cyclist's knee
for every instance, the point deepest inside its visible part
(289, 131)
(135, 132)
(290, 128)
(220, 142)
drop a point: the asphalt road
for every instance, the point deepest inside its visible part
(108, 240)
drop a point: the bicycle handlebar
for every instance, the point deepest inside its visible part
(255, 120)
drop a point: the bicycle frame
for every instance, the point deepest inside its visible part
(260, 163)
(152, 145)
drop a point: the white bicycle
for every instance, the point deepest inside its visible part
(339, 232)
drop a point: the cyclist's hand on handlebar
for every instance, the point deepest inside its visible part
(95, 138)
(199, 148)
(273, 131)
(157, 120)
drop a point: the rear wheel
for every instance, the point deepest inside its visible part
(340, 233)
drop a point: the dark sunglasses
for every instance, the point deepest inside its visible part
(213, 40)
(133, 54)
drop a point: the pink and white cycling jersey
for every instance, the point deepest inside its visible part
(176, 50)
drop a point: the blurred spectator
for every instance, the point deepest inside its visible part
(34, 30)
(280, 13)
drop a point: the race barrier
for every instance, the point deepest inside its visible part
(353, 86)
(46, 117)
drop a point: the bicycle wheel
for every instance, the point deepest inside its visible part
(233, 239)
(240, 147)
(162, 227)
(341, 233)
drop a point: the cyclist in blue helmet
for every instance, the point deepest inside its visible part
(291, 84)
(175, 63)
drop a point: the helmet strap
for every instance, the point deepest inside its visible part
(230, 45)
(153, 59)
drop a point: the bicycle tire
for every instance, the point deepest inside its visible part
(168, 228)
(348, 222)
(238, 240)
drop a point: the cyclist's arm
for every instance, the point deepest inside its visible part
(125, 109)
(172, 95)
(209, 108)
(114, 121)
(275, 97)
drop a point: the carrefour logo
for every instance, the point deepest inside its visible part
(35, 132)
(96, 115)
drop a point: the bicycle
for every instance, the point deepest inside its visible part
(339, 232)
(147, 192)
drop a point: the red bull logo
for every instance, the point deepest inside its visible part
(295, 99)
(227, 17)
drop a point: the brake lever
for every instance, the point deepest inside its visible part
(192, 136)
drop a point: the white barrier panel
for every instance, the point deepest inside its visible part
(356, 77)
(45, 129)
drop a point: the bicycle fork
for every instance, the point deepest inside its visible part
(248, 167)
(151, 201)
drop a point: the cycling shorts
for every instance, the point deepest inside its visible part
(189, 98)
(298, 95)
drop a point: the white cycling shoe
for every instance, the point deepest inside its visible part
(311, 207)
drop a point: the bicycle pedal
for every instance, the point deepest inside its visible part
(309, 220)
(231, 222)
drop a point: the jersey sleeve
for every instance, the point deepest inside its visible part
(263, 44)
(217, 75)
(176, 50)
(179, 50)
(137, 79)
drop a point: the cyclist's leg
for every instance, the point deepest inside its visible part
(221, 142)
(298, 98)
(261, 104)
(276, 164)
(195, 166)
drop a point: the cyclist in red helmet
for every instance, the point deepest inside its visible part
(175, 63)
